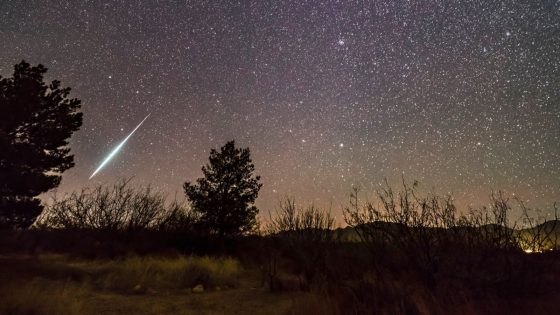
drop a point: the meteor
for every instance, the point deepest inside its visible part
(117, 148)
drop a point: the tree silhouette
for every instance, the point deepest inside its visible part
(224, 197)
(36, 121)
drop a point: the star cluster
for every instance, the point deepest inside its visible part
(462, 96)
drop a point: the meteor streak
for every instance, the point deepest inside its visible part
(117, 148)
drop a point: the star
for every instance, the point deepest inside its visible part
(449, 99)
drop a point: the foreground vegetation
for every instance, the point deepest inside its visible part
(125, 250)
(269, 276)
(56, 284)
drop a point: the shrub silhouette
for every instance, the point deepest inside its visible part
(120, 207)
(306, 235)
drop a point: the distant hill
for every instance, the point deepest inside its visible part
(545, 235)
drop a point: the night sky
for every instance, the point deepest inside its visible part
(463, 97)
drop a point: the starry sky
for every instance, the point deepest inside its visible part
(463, 96)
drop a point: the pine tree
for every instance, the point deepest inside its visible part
(224, 197)
(36, 121)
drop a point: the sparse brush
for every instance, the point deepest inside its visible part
(308, 235)
(120, 207)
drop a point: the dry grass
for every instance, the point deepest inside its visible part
(42, 297)
(57, 285)
(151, 275)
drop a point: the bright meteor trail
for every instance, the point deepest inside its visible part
(117, 148)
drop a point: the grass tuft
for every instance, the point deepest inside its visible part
(145, 275)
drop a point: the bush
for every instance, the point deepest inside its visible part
(117, 208)
(306, 237)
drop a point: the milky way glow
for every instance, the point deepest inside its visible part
(461, 96)
(117, 148)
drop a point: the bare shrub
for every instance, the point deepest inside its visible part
(538, 234)
(304, 224)
(427, 233)
(412, 224)
(307, 235)
(176, 216)
(120, 207)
